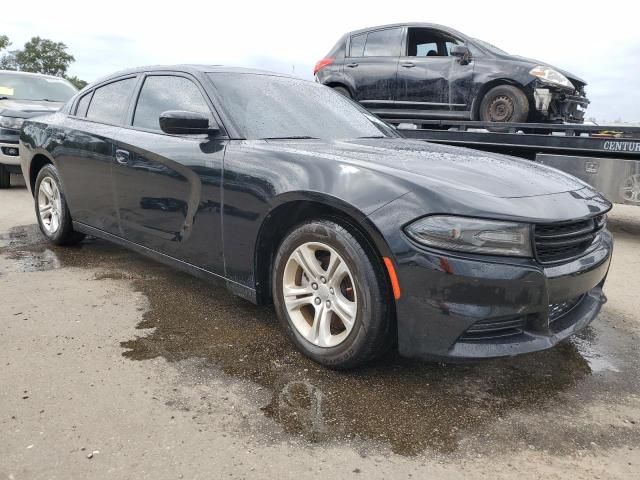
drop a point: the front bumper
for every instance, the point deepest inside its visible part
(9, 149)
(449, 302)
(558, 105)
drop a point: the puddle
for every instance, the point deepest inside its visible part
(407, 406)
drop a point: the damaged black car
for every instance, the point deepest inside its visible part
(427, 71)
(288, 193)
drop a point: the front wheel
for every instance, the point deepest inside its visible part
(504, 103)
(331, 296)
(53, 214)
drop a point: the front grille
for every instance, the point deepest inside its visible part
(495, 328)
(559, 310)
(563, 241)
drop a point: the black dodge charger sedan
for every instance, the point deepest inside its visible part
(427, 71)
(290, 193)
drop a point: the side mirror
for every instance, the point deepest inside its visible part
(462, 52)
(178, 122)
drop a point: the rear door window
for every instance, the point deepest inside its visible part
(109, 103)
(161, 93)
(357, 45)
(383, 43)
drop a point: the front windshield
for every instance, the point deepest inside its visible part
(17, 86)
(491, 48)
(271, 107)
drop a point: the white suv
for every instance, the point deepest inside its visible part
(25, 95)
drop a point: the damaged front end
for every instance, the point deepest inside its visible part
(557, 104)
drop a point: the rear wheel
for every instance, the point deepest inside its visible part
(504, 103)
(5, 177)
(53, 214)
(332, 298)
(342, 91)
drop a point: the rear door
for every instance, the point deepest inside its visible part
(88, 148)
(168, 186)
(429, 77)
(372, 64)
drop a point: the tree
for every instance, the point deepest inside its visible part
(43, 56)
(7, 60)
(77, 82)
(39, 56)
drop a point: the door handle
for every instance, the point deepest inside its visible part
(408, 65)
(122, 157)
(352, 65)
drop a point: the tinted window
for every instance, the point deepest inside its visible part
(83, 104)
(110, 102)
(162, 93)
(23, 86)
(383, 43)
(265, 106)
(357, 45)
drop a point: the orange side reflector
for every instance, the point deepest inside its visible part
(395, 285)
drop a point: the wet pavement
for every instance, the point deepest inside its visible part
(410, 408)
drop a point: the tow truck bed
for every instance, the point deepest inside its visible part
(607, 157)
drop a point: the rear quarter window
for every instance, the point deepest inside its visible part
(83, 105)
(356, 48)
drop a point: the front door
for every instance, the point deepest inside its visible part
(429, 77)
(168, 186)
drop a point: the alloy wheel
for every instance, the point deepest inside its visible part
(49, 205)
(319, 294)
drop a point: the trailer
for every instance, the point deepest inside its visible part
(606, 157)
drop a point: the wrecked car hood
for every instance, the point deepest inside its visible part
(432, 166)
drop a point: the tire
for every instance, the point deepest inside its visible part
(5, 177)
(364, 289)
(343, 91)
(48, 193)
(504, 103)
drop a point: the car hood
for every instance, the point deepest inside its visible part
(534, 63)
(29, 107)
(427, 165)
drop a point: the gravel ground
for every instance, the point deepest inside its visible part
(113, 366)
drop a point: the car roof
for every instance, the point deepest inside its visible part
(190, 68)
(31, 74)
(410, 24)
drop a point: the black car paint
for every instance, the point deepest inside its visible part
(208, 205)
(441, 87)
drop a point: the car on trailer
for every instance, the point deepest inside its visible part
(428, 71)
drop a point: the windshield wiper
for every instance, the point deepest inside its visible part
(373, 136)
(293, 137)
(46, 100)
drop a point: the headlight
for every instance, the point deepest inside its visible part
(551, 76)
(11, 122)
(472, 235)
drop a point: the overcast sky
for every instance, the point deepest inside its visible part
(599, 42)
